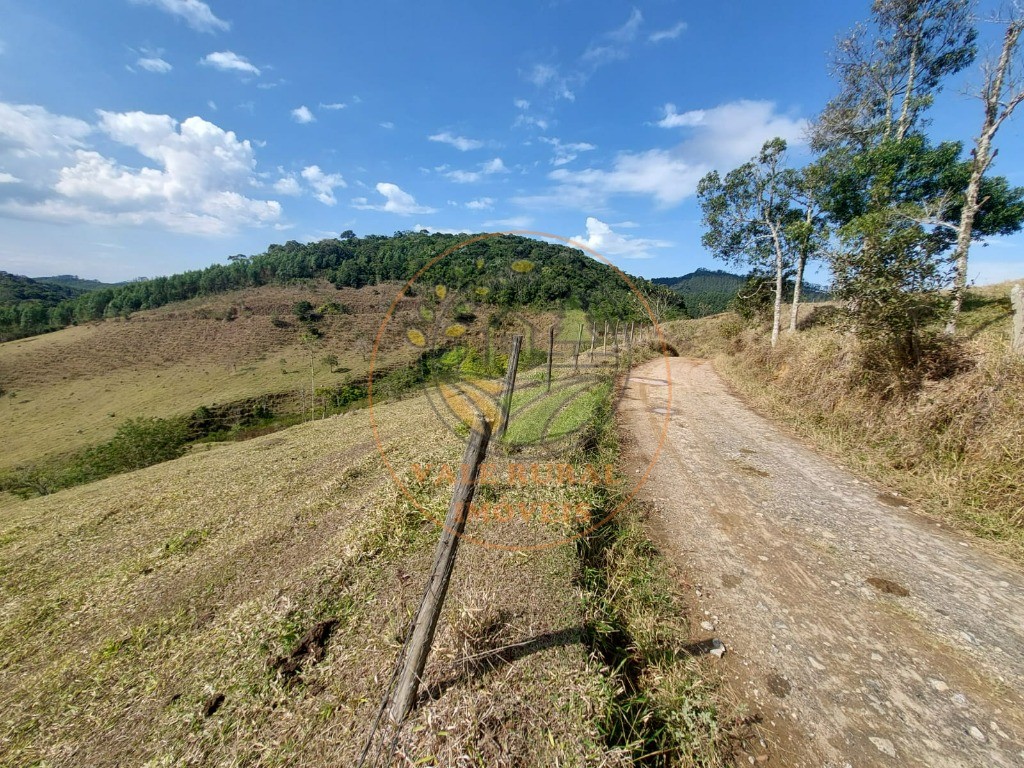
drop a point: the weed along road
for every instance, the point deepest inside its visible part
(859, 632)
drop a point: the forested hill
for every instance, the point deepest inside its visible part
(708, 291)
(75, 282)
(505, 270)
(16, 288)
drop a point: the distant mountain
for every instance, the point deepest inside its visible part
(706, 291)
(20, 288)
(709, 291)
(75, 282)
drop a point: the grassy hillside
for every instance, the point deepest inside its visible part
(245, 604)
(72, 388)
(953, 446)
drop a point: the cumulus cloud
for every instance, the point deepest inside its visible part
(154, 64)
(7, 178)
(288, 185)
(387, 125)
(717, 138)
(673, 119)
(197, 182)
(603, 240)
(483, 204)
(228, 61)
(303, 115)
(461, 143)
(195, 13)
(566, 152)
(490, 168)
(396, 200)
(323, 184)
(667, 34)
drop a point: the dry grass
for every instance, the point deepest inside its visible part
(144, 616)
(955, 447)
(72, 388)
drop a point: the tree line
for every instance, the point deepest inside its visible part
(892, 212)
(505, 270)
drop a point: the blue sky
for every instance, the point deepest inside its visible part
(144, 137)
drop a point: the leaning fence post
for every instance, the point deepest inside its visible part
(508, 388)
(444, 561)
(593, 341)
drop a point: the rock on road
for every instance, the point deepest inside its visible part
(860, 632)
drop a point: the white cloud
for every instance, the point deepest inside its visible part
(396, 201)
(6, 178)
(196, 14)
(548, 76)
(719, 138)
(528, 121)
(461, 143)
(303, 115)
(30, 131)
(667, 34)
(491, 167)
(483, 204)
(323, 184)
(673, 119)
(514, 222)
(602, 239)
(197, 184)
(288, 185)
(521, 104)
(228, 61)
(154, 64)
(439, 230)
(566, 152)
(387, 124)
(334, 106)
(615, 44)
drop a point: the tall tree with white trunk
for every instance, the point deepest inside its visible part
(746, 215)
(1001, 93)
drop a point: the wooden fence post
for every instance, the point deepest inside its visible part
(508, 388)
(425, 623)
(604, 341)
(576, 357)
(1017, 302)
(551, 352)
(593, 342)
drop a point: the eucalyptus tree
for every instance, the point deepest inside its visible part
(1001, 92)
(746, 215)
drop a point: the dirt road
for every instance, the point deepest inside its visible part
(861, 633)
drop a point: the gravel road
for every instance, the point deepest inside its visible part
(858, 631)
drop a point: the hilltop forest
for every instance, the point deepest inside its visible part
(505, 270)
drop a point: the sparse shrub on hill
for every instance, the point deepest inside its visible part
(138, 443)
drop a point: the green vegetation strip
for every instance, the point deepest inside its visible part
(663, 705)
